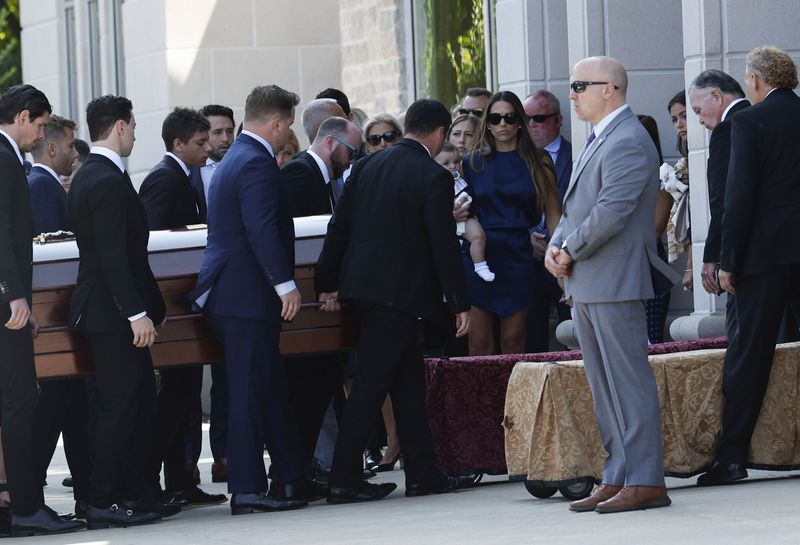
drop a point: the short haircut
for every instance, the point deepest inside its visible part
(337, 95)
(216, 109)
(478, 92)
(389, 119)
(315, 112)
(103, 112)
(182, 123)
(425, 116)
(447, 147)
(54, 130)
(774, 66)
(717, 79)
(550, 98)
(82, 147)
(333, 126)
(269, 100)
(18, 98)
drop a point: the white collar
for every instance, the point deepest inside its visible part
(769, 92)
(180, 162)
(48, 169)
(554, 146)
(426, 148)
(109, 154)
(210, 162)
(321, 164)
(13, 145)
(606, 121)
(728, 109)
(261, 140)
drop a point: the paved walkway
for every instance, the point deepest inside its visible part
(763, 510)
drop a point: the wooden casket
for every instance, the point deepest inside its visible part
(175, 257)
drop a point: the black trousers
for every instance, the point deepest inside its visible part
(19, 394)
(389, 362)
(312, 383)
(218, 428)
(546, 296)
(180, 392)
(761, 301)
(126, 404)
(64, 410)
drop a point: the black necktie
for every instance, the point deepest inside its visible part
(590, 139)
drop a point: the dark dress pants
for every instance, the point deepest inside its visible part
(64, 410)
(546, 296)
(19, 394)
(389, 362)
(258, 407)
(218, 428)
(126, 404)
(761, 301)
(180, 392)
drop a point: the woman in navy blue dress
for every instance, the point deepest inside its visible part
(513, 185)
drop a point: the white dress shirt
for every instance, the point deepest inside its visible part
(207, 173)
(322, 166)
(180, 162)
(553, 147)
(728, 109)
(49, 171)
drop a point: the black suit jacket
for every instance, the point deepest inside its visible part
(16, 228)
(719, 155)
(114, 276)
(309, 195)
(762, 196)
(563, 167)
(392, 238)
(199, 193)
(168, 196)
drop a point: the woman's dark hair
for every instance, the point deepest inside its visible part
(680, 98)
(651, 127)
(487, 147)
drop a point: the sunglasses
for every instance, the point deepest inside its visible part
(540, 118)
(474, 111)
(580, 86)
(388, 137)
(495, 119)
(353, 151)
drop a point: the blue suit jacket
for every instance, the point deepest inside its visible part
(49, 202)
(563, 167)
(250, 246)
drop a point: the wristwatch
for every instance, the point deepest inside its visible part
(565, 249)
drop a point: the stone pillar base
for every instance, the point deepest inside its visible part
(699, 325)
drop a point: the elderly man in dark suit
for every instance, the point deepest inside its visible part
(760, 255)
(24, 112)
(116, 303)
(391, 250)
(246, 285)
(544, 122)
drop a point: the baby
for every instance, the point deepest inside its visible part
(470, 229)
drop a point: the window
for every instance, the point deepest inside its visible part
(96, 82)
(72, 61)
(119, 53)
(450, 43)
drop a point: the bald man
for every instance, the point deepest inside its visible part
(604, 248)
(316, 112)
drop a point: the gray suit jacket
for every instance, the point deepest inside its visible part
(608, 217)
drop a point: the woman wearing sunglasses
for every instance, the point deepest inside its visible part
(513, 184)
(382, 131)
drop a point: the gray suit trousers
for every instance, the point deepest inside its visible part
(613, 338)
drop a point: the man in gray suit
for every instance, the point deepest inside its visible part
(604, 248)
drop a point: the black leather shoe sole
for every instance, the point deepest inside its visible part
(265, 508)
(346, 495)
(107, 523)
(721, 478)
(32, 531)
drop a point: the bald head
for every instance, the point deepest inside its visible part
(316, 112)
(607, 69)
(601, 84)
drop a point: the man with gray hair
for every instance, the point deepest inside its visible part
(316, 112)
(760, 254)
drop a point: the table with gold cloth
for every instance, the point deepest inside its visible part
(551, 433)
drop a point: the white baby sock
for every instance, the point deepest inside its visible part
(482, 270)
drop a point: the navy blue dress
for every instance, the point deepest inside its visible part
(505, 203)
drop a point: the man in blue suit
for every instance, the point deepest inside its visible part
(246, 285)
(52, 158)
(544, 122)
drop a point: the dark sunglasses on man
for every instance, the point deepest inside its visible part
(580, 86)
(388, 137)
(353, 151)
(495, 119)
(477, 112)
(540, 118)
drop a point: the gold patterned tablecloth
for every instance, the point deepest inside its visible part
(551, 432)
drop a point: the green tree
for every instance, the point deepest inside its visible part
(10, 56)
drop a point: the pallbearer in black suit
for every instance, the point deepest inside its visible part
(116, 304)
(170, 202)
(760, 256)
(24, 112)
(63, 405)
(391, 250)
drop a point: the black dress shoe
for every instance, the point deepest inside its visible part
(118, 515)
(194, 497)
(80, 509)
(5, 522)
(301, 490)
(67, 482)
(45, 521)
(441, 485)
(360, 493)
(164, 509)
(720, 474)
(242, 504)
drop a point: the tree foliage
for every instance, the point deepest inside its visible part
(10, 56)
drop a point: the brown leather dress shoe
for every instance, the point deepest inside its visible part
(600, 494)
(635, 498)
(219, 471)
